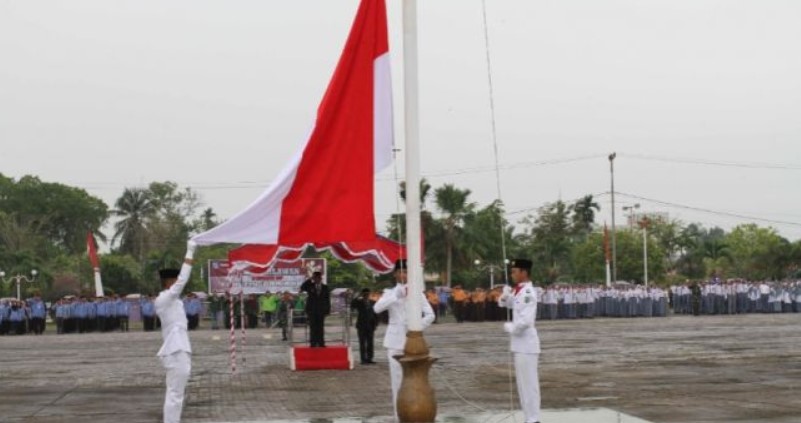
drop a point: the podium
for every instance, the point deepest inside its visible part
(336, 355)
(331, 357)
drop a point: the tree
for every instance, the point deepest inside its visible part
(452, 202)
(482, 238)
(122, 274)
(758, 253)
(431, 228)
(425, 189)
(588, 258)
(668, 235)
(134, 208)
(584, 215)
(60, 214)
(207, 220)
(549, 241)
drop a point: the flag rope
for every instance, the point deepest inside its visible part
(498, 185)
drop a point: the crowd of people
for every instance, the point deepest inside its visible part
(554, 302)
(561, 301)
(736, 297)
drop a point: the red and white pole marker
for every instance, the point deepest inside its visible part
(232, 348)
(242, 319)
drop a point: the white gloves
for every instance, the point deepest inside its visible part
(506, 293)
(190, 249)
(508, 327)
(400, 291)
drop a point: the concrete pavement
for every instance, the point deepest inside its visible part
(677, 369)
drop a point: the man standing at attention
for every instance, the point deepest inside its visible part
(175, 352)
(318, 305)
(366, 322)
(525, 344)
(394, 300)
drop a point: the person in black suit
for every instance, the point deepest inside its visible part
(318, 305)
(366, 322)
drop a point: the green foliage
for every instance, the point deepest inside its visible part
(452, 203)
(345, 275)
(590, 266)
(54, 216)
(758, 253)
(584, 215)
(122, 274)
(43, 226)
(548, 241)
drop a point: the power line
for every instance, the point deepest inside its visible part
(568, 202)
(669, 204)
(747, 165)
(710, 211)
(208, 186)
(487, 169)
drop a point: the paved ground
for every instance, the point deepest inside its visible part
(677, 369)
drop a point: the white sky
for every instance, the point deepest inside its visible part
(216, 95)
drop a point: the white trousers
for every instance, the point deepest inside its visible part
(178, 366)
(395, 377)
(528, 385)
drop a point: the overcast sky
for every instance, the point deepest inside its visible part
(216, 95)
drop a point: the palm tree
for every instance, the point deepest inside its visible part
(584, 214)
(208, 219)
(453, 203)
(425, 188)
(134, 208)
(716, 256)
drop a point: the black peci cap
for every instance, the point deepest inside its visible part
(400, 264)
(522, 264)
(165, 274)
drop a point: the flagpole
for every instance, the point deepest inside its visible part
(416, 402)
(414, 309)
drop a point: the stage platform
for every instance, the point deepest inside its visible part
(578, 415)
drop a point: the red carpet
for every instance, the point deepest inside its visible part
(335, 357)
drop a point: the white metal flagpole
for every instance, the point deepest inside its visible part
(414, 309)
(416, 400)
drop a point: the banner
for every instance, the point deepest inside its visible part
(281, 277)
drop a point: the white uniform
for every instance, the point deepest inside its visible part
(394, 300)
(175, 352)
(525, 344)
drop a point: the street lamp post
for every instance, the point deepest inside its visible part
(644, 226)
(491, 268)
(18, 278)
(631, 209)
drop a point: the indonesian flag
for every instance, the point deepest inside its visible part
(91, 249)
(325, 193)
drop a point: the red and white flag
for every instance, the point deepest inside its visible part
(325, 193)
(91, 248)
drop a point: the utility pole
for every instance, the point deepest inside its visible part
(614, 234)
